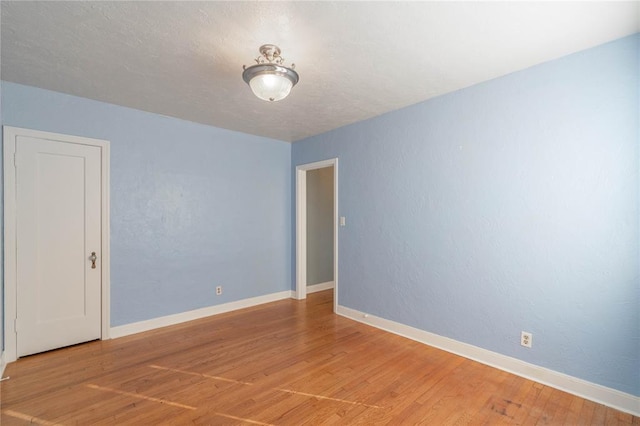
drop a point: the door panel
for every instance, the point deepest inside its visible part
(58, 196)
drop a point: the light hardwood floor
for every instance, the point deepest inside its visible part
(284, 363)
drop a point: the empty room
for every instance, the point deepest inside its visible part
(310, 212)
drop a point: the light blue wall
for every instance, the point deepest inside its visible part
(507, 206)
(192, 206)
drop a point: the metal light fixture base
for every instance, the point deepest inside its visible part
(271, 52)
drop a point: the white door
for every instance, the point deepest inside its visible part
(58, 227)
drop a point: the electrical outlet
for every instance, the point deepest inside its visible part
(218, 290)
(526, 339)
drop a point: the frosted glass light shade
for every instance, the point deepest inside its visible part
(271, 87)
(270, 82)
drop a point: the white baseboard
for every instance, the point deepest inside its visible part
(320, 287)
(601, 394)
(139, 327)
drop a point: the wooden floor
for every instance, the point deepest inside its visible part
(285, 363)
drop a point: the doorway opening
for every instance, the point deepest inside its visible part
(312, 273)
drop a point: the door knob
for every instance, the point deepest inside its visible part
(93, 259)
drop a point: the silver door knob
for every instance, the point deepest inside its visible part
(93, 259)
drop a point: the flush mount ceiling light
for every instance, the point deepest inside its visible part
(269, 79)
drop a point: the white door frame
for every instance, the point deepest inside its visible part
(10, 238)
(301, 227)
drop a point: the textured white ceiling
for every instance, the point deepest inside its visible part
(356, 60)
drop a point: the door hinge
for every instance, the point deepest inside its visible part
(15, 325)
(15, 159)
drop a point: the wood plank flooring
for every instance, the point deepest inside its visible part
(285, 363)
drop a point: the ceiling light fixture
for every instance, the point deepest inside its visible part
(269, 79)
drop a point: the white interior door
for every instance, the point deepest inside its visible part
(58, 227)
